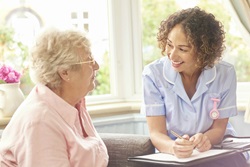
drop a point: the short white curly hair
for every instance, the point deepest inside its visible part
(56, 50)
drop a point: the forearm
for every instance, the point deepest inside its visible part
(162, 142)
(217, 131)
(215, 135)
(158, 134)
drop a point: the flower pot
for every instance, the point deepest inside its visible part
(11, 97)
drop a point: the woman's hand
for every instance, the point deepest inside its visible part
(201, 142)
(183, 148)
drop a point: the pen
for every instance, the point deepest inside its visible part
(227, 141)
(176, 134)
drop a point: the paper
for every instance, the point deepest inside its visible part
(171, 158)
(229, 146)
(234, 143)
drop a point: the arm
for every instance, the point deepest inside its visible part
(44, 146)
(158, 134)
(217, 130)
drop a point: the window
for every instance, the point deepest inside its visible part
(27, 21)
(114, 29)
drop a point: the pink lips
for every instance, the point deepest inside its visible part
(176, 64)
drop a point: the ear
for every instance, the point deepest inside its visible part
(64, 74)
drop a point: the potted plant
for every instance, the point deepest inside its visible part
(11, 95)
(13, 53)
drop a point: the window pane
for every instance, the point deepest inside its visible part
(84, 14)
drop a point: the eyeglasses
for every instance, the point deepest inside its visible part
(91, 62)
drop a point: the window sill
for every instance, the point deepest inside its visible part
(112, 109)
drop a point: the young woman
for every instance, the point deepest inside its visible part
(190, 90)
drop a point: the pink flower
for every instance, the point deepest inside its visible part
(9, 75)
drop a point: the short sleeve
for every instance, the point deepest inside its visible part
(152, 100)
(228, 106)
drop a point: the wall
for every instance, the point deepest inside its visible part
(136, 124)
(127, 123)
(242, 128)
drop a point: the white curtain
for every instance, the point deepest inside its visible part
(247, 113)
(241, 13)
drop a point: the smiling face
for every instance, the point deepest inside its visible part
(180, 51)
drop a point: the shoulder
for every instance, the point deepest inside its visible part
(154, 67)
(225, 70)
(223, 65)
(225, 73)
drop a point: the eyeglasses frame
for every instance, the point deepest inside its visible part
(85, 62)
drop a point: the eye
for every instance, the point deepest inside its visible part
(169, 45)
(183, 50)
(91, 60)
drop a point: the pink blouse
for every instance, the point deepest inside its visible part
(47, 131)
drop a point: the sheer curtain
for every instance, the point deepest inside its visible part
(241, 13)
(247, 113)
(241, 10)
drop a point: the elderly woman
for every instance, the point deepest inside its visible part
(52, 128)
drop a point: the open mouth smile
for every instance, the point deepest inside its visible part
(177, 64)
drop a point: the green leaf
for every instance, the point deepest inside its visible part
(2, 81)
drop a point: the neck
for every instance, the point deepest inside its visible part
(64, 95)
(191, 76)
(189, 82)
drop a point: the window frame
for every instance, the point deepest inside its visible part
(125, 51)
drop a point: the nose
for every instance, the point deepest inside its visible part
(172, 54)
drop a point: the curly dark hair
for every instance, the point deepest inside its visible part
(203, 31)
